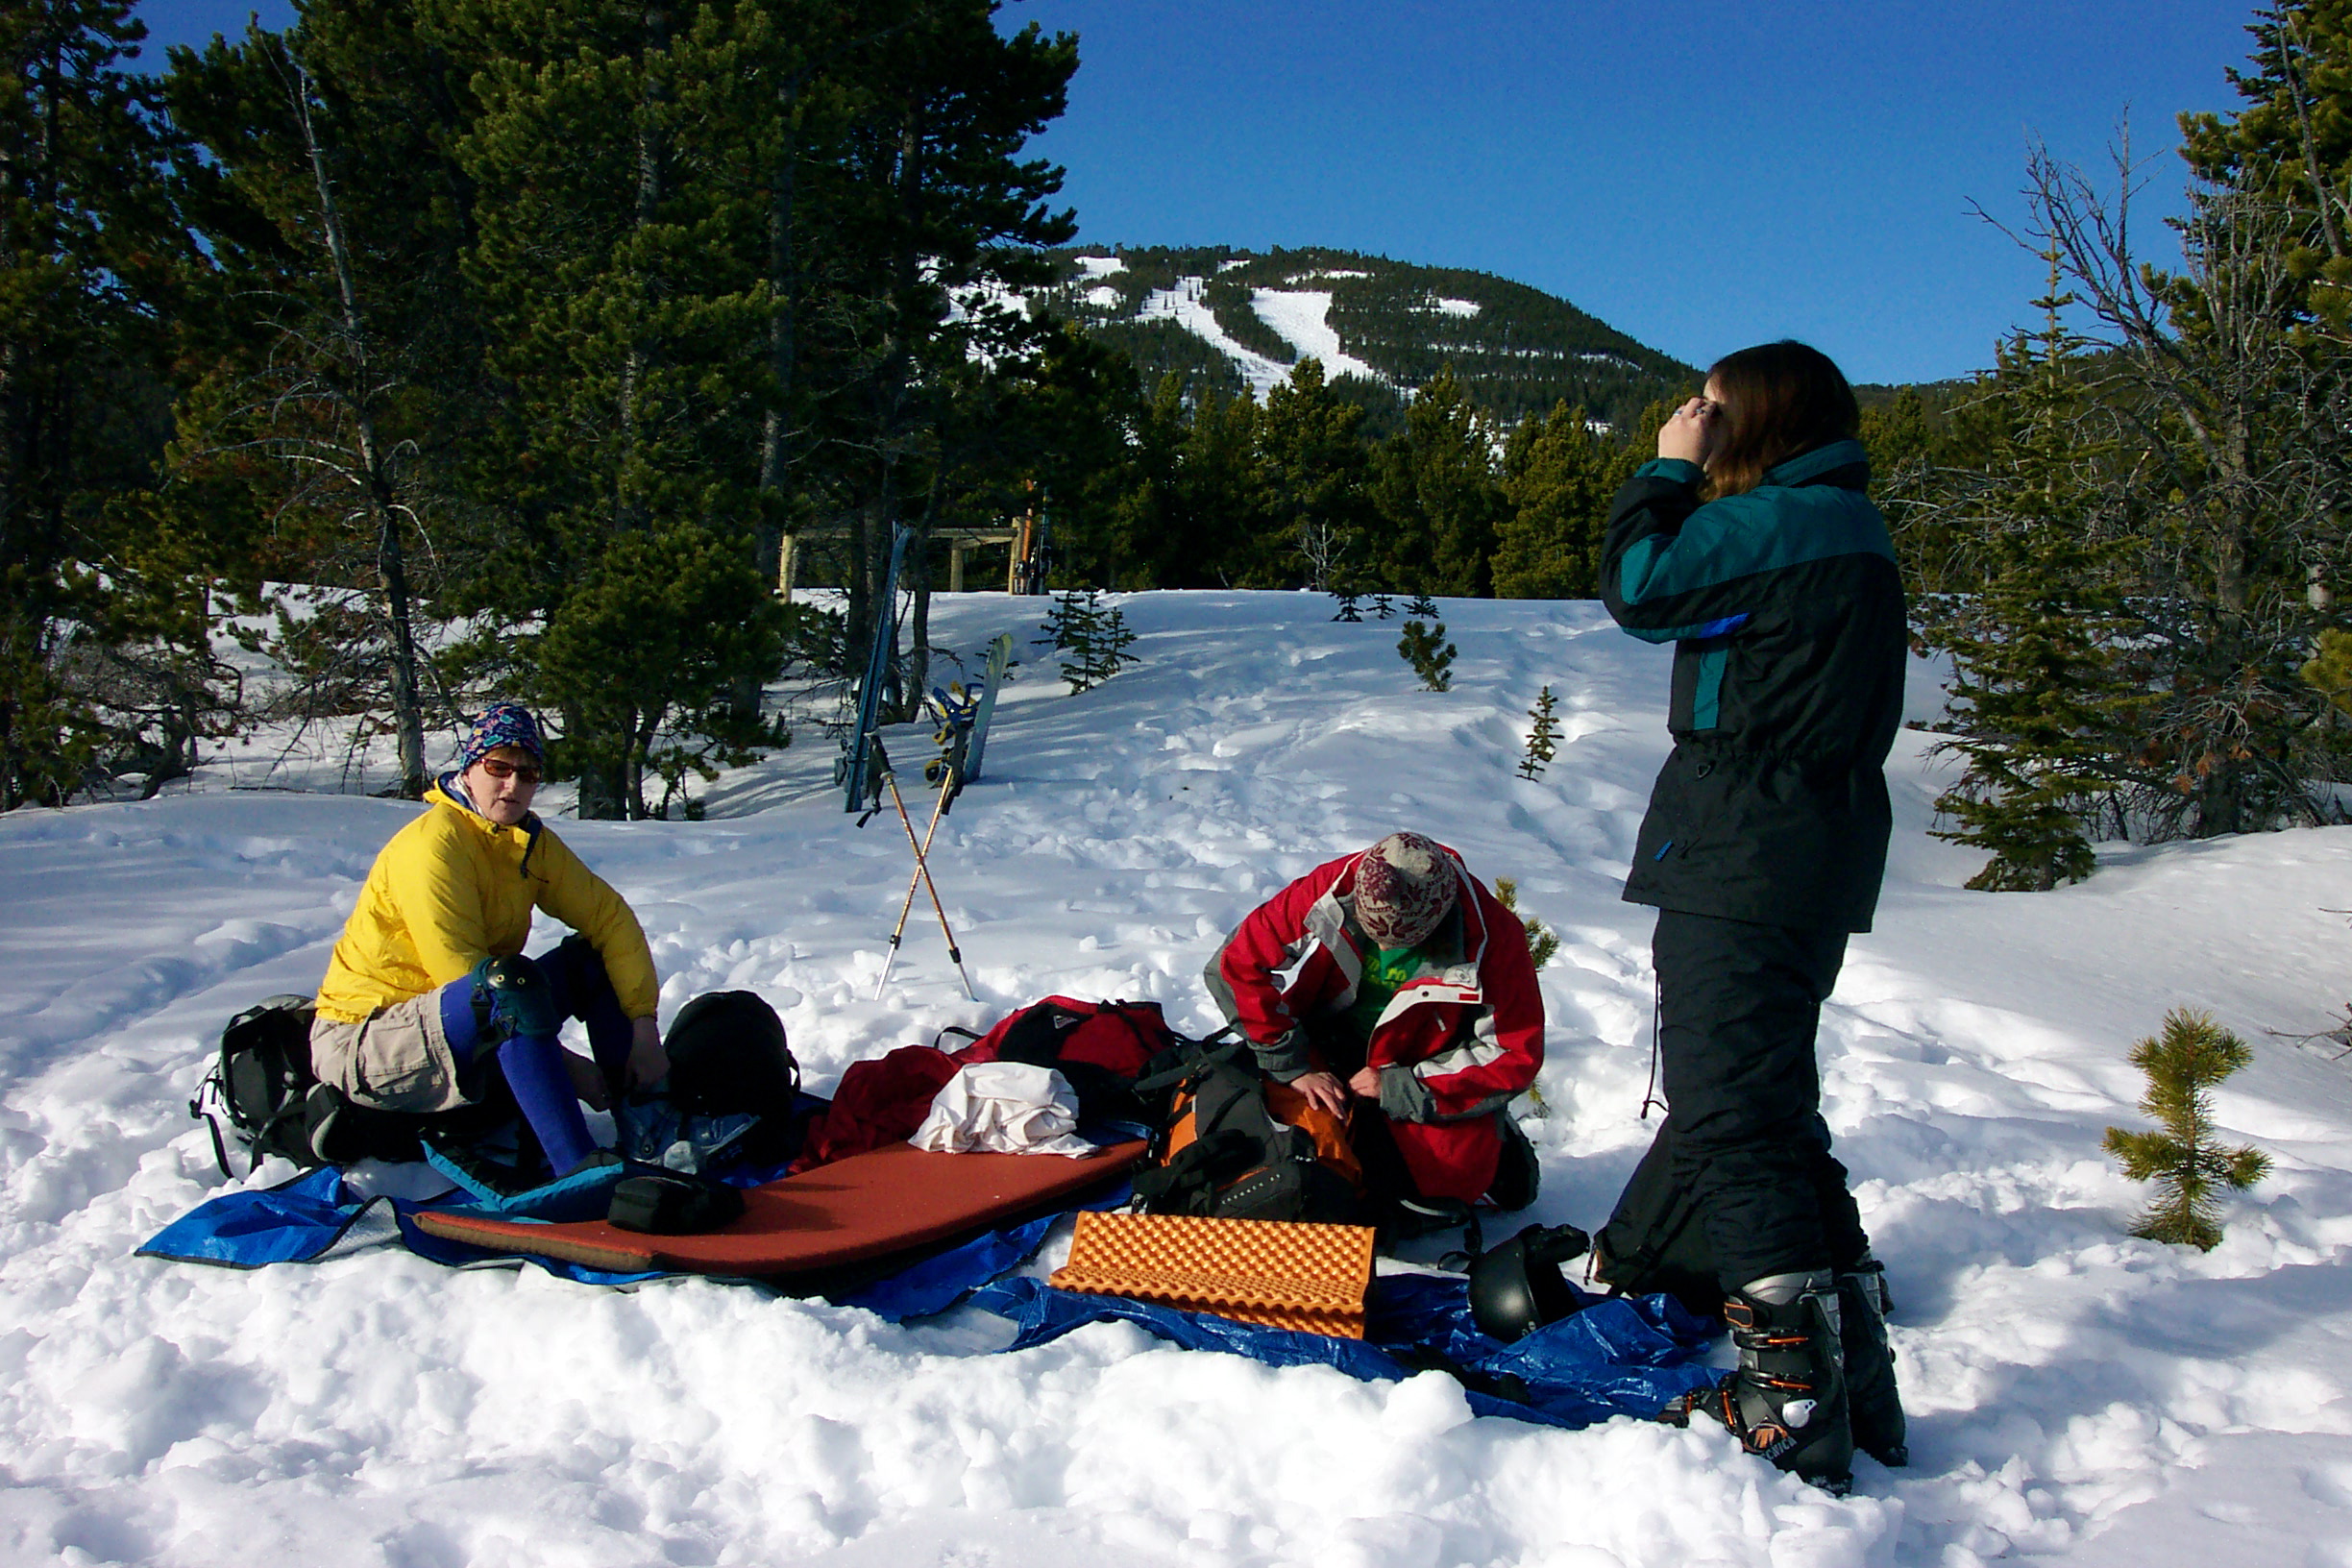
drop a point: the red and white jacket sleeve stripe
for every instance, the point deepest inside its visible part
(1244, 974)
(1507, 1044)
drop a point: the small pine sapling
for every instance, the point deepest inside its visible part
(1103, 654)
(1543, 741)
(1424, 607)
(1073, 618)
(1348, 612)
(1541, 940)
(1096, 639)
(2191, 1170)
(1383, 606)
(1430, 654)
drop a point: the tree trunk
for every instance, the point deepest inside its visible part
(775, 425)
(629, 507)
(783, 325)
(600, 785)
(611, 789)
(407, 705)
(375, 480)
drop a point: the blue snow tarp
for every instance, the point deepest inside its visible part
(1617, 1357)
(1614, 1358)
(317, 1217)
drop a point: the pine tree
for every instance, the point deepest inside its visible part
(2293, 141)
(1095, 638)
(349, 351)
(648, 645)
(1104, 654)
(1559, 477)
(1383, 606)
(1217, 515)
(1313, 475)
(92, 259)
(1543, 738)
(2192, 1172)
(1430, 655)
(1438, 501)
(1541, 940)
(1348, 611)
(1069, 622)
(2037, 696)
(608, 270)
(2224, 377)
(1423, 606)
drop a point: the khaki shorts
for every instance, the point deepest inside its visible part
(399, 1059)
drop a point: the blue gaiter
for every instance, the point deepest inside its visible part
(532, 1063)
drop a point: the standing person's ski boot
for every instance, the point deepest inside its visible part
(1786, 1401)
(1870, 1396)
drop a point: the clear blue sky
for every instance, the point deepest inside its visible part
(1703, 174)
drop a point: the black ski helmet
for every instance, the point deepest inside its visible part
(727, 1055)
(1516, 1287)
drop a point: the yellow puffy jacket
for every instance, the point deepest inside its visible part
(453, 887)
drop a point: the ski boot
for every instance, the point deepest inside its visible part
(1786, 1401)
(1870, 1396)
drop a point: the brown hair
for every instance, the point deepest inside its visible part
(1780, 400)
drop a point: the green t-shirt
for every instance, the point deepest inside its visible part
(1385, 971)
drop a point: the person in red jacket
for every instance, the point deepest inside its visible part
(1413, 1013)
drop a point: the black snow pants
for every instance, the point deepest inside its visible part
(1738, 1006)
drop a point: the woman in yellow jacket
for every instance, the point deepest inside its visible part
(429, 988)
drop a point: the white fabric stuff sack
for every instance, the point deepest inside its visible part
(1003, 1108)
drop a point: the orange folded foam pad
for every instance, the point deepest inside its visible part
(1285, 1276)
(894, 1199)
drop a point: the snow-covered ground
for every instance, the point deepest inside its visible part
(2075, 1394)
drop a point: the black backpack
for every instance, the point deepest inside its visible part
(263, 1089)
(1654, 1240)
(1233, 1157)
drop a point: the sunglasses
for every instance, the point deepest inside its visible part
(496, 769)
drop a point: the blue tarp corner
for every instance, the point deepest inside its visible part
(1617, 1357)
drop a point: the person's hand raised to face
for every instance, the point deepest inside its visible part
(1693, 432)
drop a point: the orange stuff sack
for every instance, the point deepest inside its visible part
(1237, 1147)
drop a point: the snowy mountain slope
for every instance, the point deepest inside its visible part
(2076, 1395)
(1243, 319)
(1183, 305)
(1303, 317)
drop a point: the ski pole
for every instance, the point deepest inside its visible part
(906, 906)
(923, 871)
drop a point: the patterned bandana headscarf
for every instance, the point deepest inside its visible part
(502, 723)
(1404, 887)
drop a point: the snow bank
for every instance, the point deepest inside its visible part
(2075, 1394)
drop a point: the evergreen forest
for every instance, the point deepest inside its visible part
(432, 347)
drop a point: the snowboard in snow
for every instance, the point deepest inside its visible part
(895, 1200)
(999, 660)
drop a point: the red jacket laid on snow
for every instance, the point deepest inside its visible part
(1457, 1040)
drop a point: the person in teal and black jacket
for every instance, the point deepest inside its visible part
(1762, 850)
